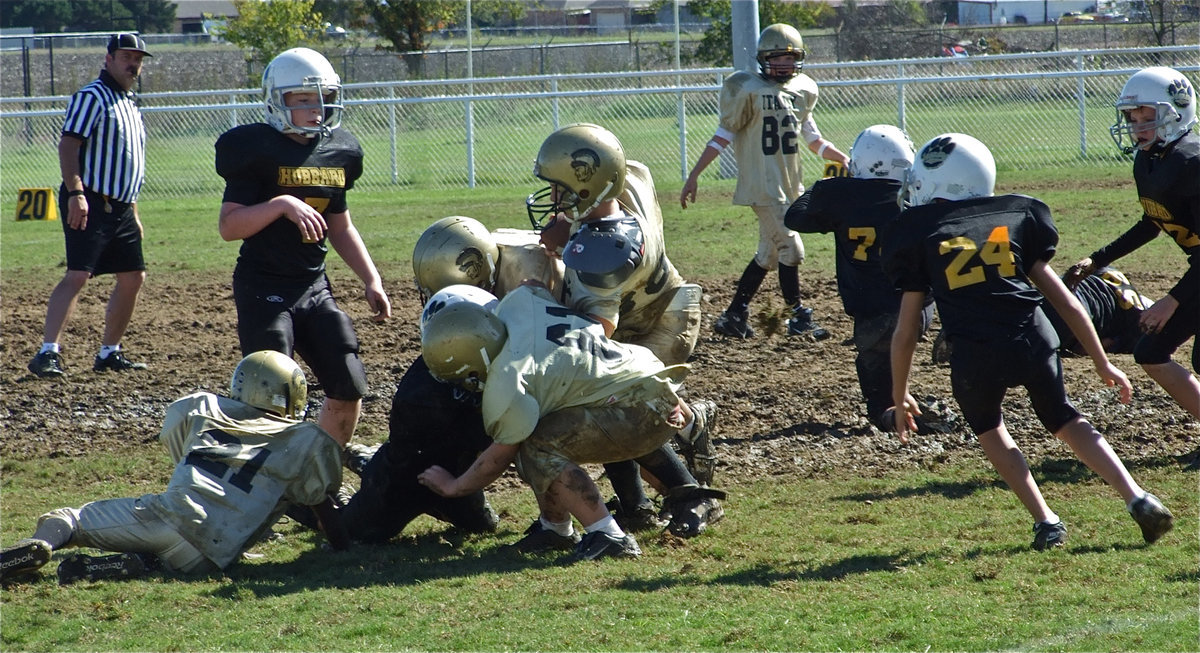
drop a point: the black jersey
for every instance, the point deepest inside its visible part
(857, 212)
(1168, 184)
(1112, 304)
(259, 163)
(975, 256)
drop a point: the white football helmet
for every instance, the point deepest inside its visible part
(881, 152)
(301, 69)
(951, 167)
(453, 294)
(460, 342)
(1173, 98)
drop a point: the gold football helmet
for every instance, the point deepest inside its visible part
(585, 165)
(775, 40)
(459, 343)
(270, 381)
(454, 250)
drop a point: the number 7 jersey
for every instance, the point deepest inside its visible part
(765, 119)
(237, 468)
(975, 256)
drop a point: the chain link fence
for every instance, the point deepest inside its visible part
(1034, 111)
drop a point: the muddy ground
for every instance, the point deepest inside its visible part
(788, 407)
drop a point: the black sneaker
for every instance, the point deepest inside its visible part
(733, 325)
(599, 544)
(46, 365)
(641, 519)
(116, 362)
(1152, 517)
(24, 557)
(119, 565)
(539, 540)
(698, 452)
(801, 324)
(1046, 536)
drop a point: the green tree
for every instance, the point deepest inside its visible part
(267, 27)
(405, 24)
(861, 35)
(45, 16)
(100, 16)
(1162, 16)
(716, 46)
(150, 16)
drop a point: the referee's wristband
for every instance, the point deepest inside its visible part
(76, 193)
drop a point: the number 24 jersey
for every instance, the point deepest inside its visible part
(974, 256)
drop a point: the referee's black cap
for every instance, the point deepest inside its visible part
(127, 41)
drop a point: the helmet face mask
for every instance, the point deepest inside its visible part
(951, 167)
(585, 167)
(1173, 99)
(307, 71)
(881, 152)
(778, 40)
(455, 250)
(270, 381)
(459, 343)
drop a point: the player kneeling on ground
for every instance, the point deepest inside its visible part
(240, 461)
(556, 393)
(986, 260)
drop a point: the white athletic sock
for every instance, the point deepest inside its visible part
(49, 346)
(106, 350)
(562, 528)
(1050, 519)
(607, 525)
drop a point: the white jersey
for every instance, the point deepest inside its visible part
(765, 118)
(523, 257)
(635, 306)
(555, 358)
(237, 469)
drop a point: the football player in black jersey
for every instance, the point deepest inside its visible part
(1156, 111)
(857, 209)
(285, 199)
(985, 260)
(1115, 308)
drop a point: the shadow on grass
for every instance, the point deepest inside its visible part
(1053, 470)
(408, 561)
(765, 575)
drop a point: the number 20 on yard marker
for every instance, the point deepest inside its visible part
(36, 204)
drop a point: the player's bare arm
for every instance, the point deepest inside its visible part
(68, 163)
(710, 154)
(483, 472)
(904, 344)
(240, 221)
(1069, 308)
(347, 242)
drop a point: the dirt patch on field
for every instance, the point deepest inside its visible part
(787, 406)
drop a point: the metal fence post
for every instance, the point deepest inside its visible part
(900, 96)
(554, 101)
(470, 145)
(392, 132)
(1080, 95)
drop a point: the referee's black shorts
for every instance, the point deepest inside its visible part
(111, 242)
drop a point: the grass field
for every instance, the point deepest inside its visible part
(911, 561)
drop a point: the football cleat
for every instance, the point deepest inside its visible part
(690, 509)
(801, 324)
(1152, 517)
(22, 558)
(119, 565)
(598, 544)
(1048, 536)
(734, 325)
(46, 365)
(115, 362)
(538, 539)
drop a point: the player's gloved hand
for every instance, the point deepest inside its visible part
(1078, 272)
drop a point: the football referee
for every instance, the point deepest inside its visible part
(102, 155)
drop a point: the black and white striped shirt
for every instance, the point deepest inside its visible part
(112, 160)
